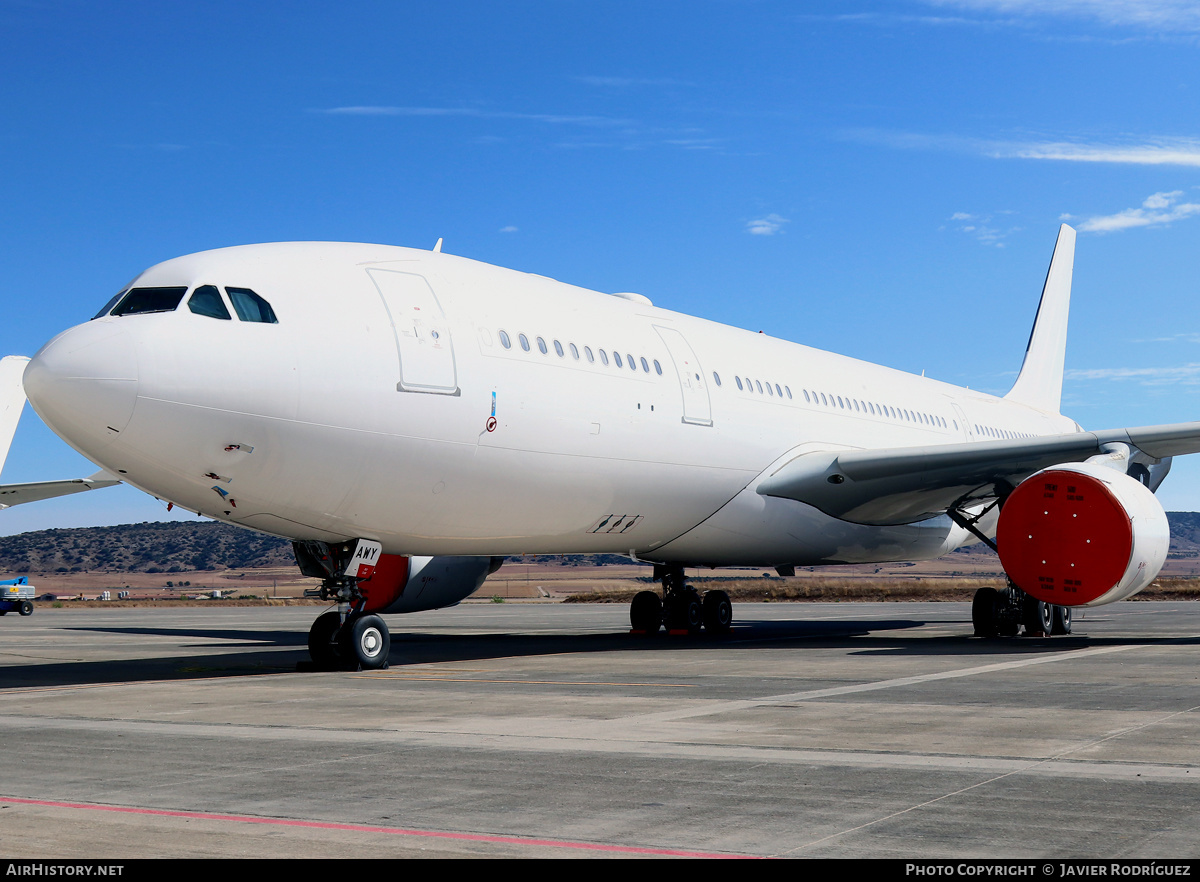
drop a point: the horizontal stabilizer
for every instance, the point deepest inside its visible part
(12, 400)
(16, 494)
(907, 484)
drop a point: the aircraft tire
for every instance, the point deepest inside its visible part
(718, 612)
(26, 608)
(646, 612)
(1037, 617)
(1062, 620)
(367, 642)
(323, 646)
(983, 613)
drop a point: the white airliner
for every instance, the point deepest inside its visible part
(409, 417)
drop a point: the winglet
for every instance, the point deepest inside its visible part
(1040, 382)
(12, 400)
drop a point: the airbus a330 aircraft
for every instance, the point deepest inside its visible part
(408, 417)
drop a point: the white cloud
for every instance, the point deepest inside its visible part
(1175, 151)
(1157, 209)
(508, 229)
(1156, 15)
(1187, 374)
(1150, 151)
(766, 226)
(981, 227)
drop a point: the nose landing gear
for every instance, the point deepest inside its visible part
(347, 638)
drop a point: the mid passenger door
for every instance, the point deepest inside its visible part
(697, 409)
(423, 344)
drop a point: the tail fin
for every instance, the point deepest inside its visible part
(12, 400)
(1040, 382)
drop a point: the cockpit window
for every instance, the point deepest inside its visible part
(109, 305)
(250, 307)
(206, 300)
(150, 300)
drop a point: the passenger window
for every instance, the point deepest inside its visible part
(604, 357)
(250, 307)
(524, 342)
(759, 385)
(769, 392)
(806, 398)
(504, 341)
(738, 380)
(150, 300)
(542, 346)
(716, 376)
(574, 352)
(632, 363)
(617, 359)
(587, 350)
(658, 370)
(646, 366)
(558, 350)
(206, 300)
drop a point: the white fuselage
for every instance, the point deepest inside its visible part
(367, 411)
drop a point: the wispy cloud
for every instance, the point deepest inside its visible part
(1164, 16)
(766, 226)
(984, 227)
(1187, 374)
(1148, 151)
(1158, 209)
(508, 229)
(1173, 151)
(477, 113)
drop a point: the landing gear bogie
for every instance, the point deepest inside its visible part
(1009, 611)
(682, 609)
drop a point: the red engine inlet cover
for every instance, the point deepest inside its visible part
(1064, 537)
(386, 583)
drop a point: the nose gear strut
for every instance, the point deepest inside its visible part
(345, 638)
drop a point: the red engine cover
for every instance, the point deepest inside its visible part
(1064, 537)
(386, 583)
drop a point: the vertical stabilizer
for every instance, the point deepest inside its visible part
(1040, 382)
(12, 399)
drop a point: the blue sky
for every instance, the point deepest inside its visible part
(883, 179)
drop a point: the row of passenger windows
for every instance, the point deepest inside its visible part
(620, 362)
(993, 432)
(206, 300)
(831, 400)
(761, 387)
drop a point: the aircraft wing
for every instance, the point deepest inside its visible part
(15, 494)
(12, 401)
(906, 484)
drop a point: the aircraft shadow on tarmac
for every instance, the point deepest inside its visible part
(257, 650)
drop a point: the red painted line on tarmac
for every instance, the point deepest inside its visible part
(364, 828)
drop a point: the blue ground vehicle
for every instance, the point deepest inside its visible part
(16, 594)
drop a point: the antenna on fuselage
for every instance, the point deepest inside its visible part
(437, 249)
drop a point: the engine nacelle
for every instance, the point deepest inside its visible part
(1082, 534)
(402, 584)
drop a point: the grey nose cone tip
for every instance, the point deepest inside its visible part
(84, 383)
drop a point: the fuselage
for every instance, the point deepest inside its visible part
(442, 406)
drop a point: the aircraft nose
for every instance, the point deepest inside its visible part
(84, 383)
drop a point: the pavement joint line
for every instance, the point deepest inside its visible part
(582, 737)
(719, 707)
(372, 828)
(1030, 767)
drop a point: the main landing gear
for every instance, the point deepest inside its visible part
(346, 638)
(1005, 612)
(682, 609)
